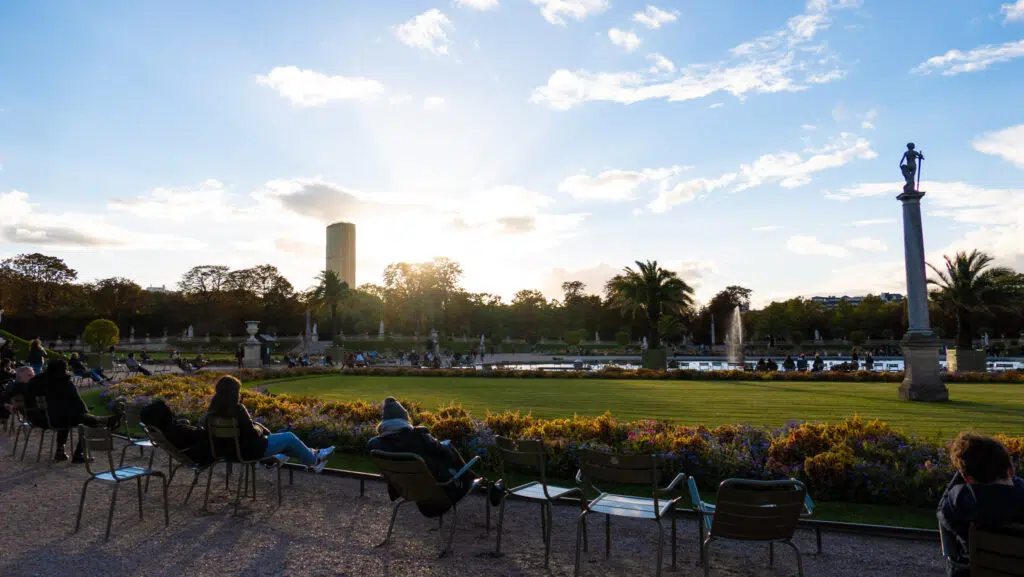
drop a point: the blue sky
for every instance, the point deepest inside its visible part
(534, 141)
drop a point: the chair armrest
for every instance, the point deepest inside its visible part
(808, 506)
(462, 471)
(695, 497)
(671, 486)
(579, 476)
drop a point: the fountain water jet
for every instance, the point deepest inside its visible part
(736, 339)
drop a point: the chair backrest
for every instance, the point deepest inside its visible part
(132, 418)
(620, 469)
(223, 428)
(161, 441)
(44, 408)
(97, 442)
(18, 402)
(410, 477)
(997, 552)
(523, 454)
(758, 510)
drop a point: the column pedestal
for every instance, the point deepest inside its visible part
(922, 380)
(253, 359)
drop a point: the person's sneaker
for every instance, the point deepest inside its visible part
(322, 454)
(496, 493)
(78, 458)
(60, 456)
(275, 460)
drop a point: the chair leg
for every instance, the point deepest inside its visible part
(700, 539)
(501, 522)
(705, 556)
(607, 536)
(661, 547)
(209, 480)
(391, 526)
(799, 559)
(252, 477)
(81, 503)
(138, 491)
(124, 451)
(171, 470)
(543, 523)
(110, 515)
(152, 455)
(42, 440)
(547, 541)
(451, 532)
(580, 528)
(279, 498)
(586, 546)
(192, 485)
(673, 540)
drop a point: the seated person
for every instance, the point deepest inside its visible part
(18, 386)
(985, 491)
(135, 366)
(65, 407)
(395, 434)
(79, 369)
(255, 440)
(189, 439)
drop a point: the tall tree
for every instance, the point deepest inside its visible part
(329, 293)
(204, 283)
(651, 291)
(970, 286)
(36, 281)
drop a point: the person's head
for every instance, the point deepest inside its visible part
(157, 414)
(226, 396)
(74, 356)
(910, 146)
(35, 345)
(980, 459)
(56, 367)
(24, 374)
(131, 355)
(393, 417)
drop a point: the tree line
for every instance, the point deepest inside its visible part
(41, 295)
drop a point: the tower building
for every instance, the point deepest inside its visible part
(341, 251)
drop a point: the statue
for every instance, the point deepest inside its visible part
(315, 331)
(908, 165)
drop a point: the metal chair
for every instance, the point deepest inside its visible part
(997, 552)
(627, 470)
(412, 479)
(100, 440)
(175, 454)
(748, 510)
(532, 455)
(45, 426)
(133, 420)
(227, 428)
(16, 419)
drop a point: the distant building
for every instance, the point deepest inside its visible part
(157, 289)
(341, 251)
(831, 302)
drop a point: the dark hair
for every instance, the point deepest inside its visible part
(226, 397)
(56, 367)
(982, 458)
(35, 345)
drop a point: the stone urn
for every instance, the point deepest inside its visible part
(252, 327)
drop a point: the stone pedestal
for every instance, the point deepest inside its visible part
(656, 359)
(966, 360)
(253, 359)
(922, 380)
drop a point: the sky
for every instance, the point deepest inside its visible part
(533, 141)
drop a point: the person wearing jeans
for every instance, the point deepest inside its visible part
(289, 445)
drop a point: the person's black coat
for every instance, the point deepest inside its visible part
(252, 438)
(189, 439)
(987, 506)
(442, 460)
(63, 402)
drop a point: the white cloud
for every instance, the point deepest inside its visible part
(209, 198)
(661, 64)
(956, 62)
(767, 228)
(399, 99)
(872, 222)
(433, 102)
(628, 41)
(555, 11)
(808, 127)
(787, 60)
(687, 191)
(1008, 143)
(867, 243)
(477, 4)
(654, 17)
(427, 31)
(809, 245)
(1014, 11)
(866, 190)
(616, 185)
(868, 121)
(311, 88)
(717, 105)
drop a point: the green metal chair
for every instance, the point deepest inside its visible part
(99, 442)
(626, 470)
(410, 476)
(175, 454)
(227, 428)
(997, 552)
(531, 454)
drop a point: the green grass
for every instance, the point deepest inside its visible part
(987, 408)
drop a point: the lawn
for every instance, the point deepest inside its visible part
(987, 408)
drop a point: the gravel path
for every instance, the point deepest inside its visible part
(325, 528)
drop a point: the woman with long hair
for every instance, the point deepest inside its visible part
(36, 355)
(255, 440)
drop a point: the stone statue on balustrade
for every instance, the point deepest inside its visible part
(908, 165)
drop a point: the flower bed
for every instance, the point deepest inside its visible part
(855, 460)
(631, 374)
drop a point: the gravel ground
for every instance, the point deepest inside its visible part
(325, 528)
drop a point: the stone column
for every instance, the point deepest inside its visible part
(921, 381)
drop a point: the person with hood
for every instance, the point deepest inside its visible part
(395, 434)
(189, 439)
(65, 407)
(255, 440)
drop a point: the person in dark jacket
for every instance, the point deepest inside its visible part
(189, 439)
(985, 491)
(36, 355)
(789, 364)
(17, 386)
(64, 406)
(256, 441)
(395, 434)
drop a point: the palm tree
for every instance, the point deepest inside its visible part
(651, 291)
(970, 286)
(329, 292)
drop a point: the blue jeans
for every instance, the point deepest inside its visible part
(290, 445)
